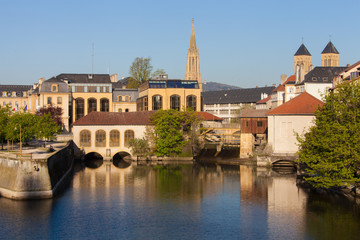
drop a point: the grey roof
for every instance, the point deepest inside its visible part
(81, 78)
(330, 48)
(19, 89)
(254, 113)
(302, 51)
(243, 95)
(322, 75)
(46, 86)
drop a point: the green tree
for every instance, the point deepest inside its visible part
(46, 127)
(139, 146)
(330, 151)
(173, 130)
(4, 119)
(26, 122)
(158, 72)
(140, 69)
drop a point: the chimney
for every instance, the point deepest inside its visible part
(283, 78)
(114, 77)
(41, 80)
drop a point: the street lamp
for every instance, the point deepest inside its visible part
(20, 141)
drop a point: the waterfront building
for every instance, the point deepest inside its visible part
(15, 96)
(253, 125)
(124, 100)
(228, 104)
(294, 116)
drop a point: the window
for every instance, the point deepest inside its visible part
(100, 138)
(104, 105)
(85, 138)
(120, 98)
(314, 79)
(247, 123)
(54, 87)
(14, 94)
(145, 103)
(119, 110)
(4, 94)
(92, 106)
(127, 98)
(79, 108)
(49, 100)
(24, 94)
(224, 111)
(126, 110)
(59, 100)
(259, 123)
(191, 102)
(325, 79)
(114, 138)
(157, 102)
(129, 134)
(175, 102)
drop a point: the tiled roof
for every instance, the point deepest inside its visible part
(302, 51)
(330, 48)
(243, 95)
(281, 88)
(265, 100)
(82, 78)
(19, 89)
(115, 118)
(304, 104)
(253, 113)
(349, 68)
(208, 116)
(322, 75)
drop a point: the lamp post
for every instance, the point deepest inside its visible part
(20, 141)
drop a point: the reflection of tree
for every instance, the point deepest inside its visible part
(331, 217)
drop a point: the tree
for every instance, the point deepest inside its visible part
(26, 122)
(46, 127)
(55, 113)
(4, 119)
(158, 72)
(330, 151)
(172, 130)
(139, 146)
(140, 69)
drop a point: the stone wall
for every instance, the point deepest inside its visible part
(35, 178)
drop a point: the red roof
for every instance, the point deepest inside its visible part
(304, 104)
(265, 100)
(115, 118)
(282, 86)
(208, 116)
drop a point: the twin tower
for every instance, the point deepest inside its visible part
(302, 60)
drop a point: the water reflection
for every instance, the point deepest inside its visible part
(181, 201)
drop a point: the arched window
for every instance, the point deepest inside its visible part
(175, 102)
(92, 105)
(104, 105)
(119, 98)
(191, 102)
(119, 110)
(129, 134)
(156, 102)
(85, 138)
(114, 138)
(54, 87)
(100, 138)
(79, 108)
(126, 110)
(127, 98)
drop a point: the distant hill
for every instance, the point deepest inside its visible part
(214, 86)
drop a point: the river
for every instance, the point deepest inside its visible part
(181, 201)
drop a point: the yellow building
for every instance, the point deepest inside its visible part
(330, 56)
(163, 93)
(15, 96)
(302, 63)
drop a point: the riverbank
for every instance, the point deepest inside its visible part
(36, 173)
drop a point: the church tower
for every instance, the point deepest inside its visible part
(330, 56)
(192, 62)
(302, 63)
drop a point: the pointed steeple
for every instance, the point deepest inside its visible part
(192, 37)
(192, 62)
(302, 51)
(330, 48)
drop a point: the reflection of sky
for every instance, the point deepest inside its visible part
(147, 202)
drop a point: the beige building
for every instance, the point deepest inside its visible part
(15, 96)
(302, 63)
(330, 56)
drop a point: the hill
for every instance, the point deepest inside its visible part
(214, 86)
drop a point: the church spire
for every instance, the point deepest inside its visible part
(192, 37)
(192, 62)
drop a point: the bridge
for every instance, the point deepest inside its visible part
(277, 160)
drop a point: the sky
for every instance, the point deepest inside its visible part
(242, 43)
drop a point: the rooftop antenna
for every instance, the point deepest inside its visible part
(92, 59)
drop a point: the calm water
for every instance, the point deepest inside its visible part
(181, 202)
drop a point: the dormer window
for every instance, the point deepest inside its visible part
(325, 79)
(314, 79)
(127, 98)
(54, 88)
(4, 94)
(13, 94)
(120, 98)
(24, 94)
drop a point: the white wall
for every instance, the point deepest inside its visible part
(281, 131)
(316, 89)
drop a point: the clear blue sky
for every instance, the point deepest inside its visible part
(242, 43)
